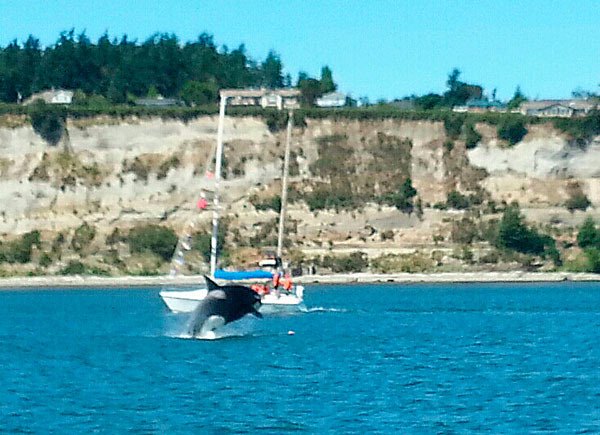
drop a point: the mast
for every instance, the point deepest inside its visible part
(218, 163)
(284, 182)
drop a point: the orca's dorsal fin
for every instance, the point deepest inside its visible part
(210, 284)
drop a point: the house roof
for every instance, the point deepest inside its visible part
(333, 96)
(572, 104)
(257, 93)
(483, 103)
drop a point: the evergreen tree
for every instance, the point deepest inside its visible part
(272, 75)
(310, 89)
(327, 83)
(515, 235)
(517, 99)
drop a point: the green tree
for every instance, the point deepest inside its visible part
(327, 83)
(429, 101)
(458, 92)
(153, 238)
(199, 93)
(593, 259)
(310, 89)
(272, 71)
(588, 235)
(403, 198)
(152, 92)
(19, 251)
(119, 69)
(517, 99)
(515, 235)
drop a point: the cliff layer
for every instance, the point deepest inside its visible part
(112, 173)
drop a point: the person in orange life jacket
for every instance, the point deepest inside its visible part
(261, 289)
(286, 282)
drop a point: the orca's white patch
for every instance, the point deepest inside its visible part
(212, 323)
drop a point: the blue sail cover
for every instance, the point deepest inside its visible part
(243, 274)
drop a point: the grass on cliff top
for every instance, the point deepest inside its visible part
(580, 129)
(276, 118)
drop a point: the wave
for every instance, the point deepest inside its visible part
(323, 310)
(209, 336)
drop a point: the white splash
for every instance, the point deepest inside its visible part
(241, 328)
(324, 310)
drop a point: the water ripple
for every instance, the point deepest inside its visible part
(373, 359)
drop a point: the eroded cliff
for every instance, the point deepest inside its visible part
(112, 173)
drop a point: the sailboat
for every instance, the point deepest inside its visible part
(279, 296)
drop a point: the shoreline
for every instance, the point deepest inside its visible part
(77, 281)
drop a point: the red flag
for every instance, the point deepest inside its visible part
(202, 203)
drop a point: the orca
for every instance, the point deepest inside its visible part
(222, 305)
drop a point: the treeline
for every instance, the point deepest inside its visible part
(120, 70)
(458, 93)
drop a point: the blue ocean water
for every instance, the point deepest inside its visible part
(377, 358)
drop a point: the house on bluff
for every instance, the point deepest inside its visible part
(52, 96)
(278, 98)
(558, 108)
(332, 99)
(481, 105)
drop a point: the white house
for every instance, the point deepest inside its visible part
(52, 96)
(557, 108)
(279, 98)
(333, 99)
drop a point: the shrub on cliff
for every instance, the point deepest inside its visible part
(578, 202)
(458, 201)
(402, 199)
(355, 262)
(83, 236)
(407, 263)
(74, 268)
(453, 124)
(202, 241)
(48, 122)
(272, 203)
(472, 136)
(276, 120)
(577, 199)
(513, 234)
(19, 251)
(593, 260)
(580, 129)
(588, 235)
(336, 196)
(153, 238)
(512, 130)
(171, 163)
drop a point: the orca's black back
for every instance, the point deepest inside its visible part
(230, 302)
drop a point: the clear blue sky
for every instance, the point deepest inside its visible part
(376, 48)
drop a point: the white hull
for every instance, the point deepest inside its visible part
(183, 301)
(187, 301)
